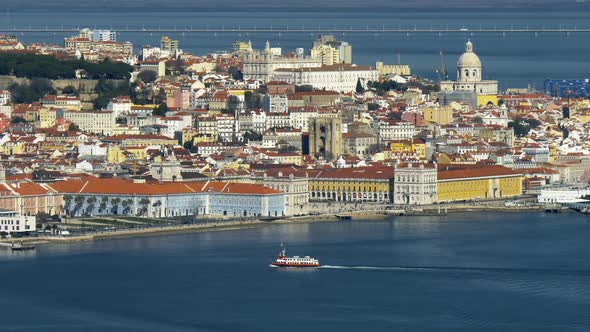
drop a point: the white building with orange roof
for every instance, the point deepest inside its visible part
(116, 196)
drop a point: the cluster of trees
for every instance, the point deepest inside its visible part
(32, 92)
(107, 90)
(252, 100)
(46, 66)
(235, 73)
(523, 126)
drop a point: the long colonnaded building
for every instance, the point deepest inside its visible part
(90, 196)
(359, 184)
(469, 182)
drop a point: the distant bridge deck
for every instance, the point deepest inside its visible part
(294, 30)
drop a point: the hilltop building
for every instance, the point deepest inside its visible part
(261, 65)
(469, 79)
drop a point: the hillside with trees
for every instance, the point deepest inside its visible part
(46, 66)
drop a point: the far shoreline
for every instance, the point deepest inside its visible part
(241, 225)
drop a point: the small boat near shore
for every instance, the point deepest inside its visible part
(284, 261)
(269, 218)
(22, 247)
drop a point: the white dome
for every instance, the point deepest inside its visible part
(469, 59)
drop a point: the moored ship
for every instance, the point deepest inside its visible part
(295, 261)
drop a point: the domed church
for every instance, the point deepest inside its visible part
(469, 73)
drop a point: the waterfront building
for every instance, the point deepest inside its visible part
(293, 183)
(11, 222)
(338, 77)
(28, 198)
(471, 182)
(357, 184)
(89, 196)
(564, 195)
(469, 79)
(415, 184)
(325, 135)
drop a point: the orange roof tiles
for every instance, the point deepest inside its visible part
(117, 186)
(450, 172)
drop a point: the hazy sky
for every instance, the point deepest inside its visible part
(299, 5)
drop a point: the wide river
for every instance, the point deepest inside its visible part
(514, 59)
(462, 272)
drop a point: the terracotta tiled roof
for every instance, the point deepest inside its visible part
(116, 186)
(449, 172)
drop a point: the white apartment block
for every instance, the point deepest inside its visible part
(4, 97)
(395, 130)
(278, 120)
(100, 122)
(119, 106)
(226, 127)
(275, 103)
(299, 119)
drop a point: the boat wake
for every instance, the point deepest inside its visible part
(457, 269)
(376, 268)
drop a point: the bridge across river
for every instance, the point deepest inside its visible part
(295, 30)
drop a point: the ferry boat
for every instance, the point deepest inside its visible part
(295, 261)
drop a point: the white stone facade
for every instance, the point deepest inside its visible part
(469, 76)
(415, 184)
(341, 77)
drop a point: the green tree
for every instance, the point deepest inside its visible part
(161, 110)
(477, 119)
(33, 92)
(18, 119)
(144, 202)
(519, 129)
(70, 90)
(147, 76)
(73, 127)
(235, 73)
(252, 100)
(359, 86)
(372, 106)
(115, 205)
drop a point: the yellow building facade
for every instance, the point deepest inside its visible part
(469, 184)
(408, 147)
(363, 184)
(439, 115)
(483, 100)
